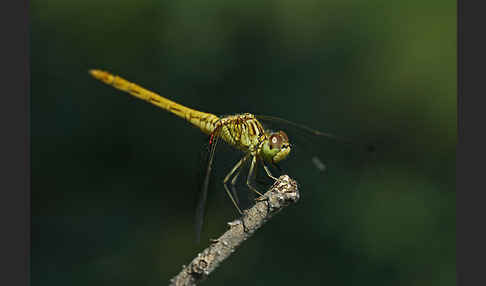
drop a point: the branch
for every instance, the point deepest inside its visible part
(281, 194)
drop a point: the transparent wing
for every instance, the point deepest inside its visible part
(322, 148)
(199, 218)
(303, 128)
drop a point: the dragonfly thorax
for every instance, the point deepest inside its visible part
(242, 131)
(246, 133)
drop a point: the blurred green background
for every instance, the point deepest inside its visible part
(114, 178)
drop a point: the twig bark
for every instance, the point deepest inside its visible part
(281, 194)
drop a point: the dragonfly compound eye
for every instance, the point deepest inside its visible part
(280, 142)
(276, 141)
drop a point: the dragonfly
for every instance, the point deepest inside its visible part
(243, 131)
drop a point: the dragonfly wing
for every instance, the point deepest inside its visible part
(213, 142)
(303, 128)
(320, 145)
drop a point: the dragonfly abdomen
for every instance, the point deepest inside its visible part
(204, 121)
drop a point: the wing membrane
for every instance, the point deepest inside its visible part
(321, 147)
(214, 140)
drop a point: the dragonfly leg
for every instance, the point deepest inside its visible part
(226, 179)
(268, 171)
(233, 185)
(250, 174)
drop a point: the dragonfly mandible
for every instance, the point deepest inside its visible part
(242, 131)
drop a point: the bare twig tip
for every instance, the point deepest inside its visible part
(281, 194)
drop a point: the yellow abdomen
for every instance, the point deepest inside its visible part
(204, 121)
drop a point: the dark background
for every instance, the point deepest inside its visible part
(114, 179)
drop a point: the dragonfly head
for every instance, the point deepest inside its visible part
(276, 148)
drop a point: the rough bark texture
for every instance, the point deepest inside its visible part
(281, 194)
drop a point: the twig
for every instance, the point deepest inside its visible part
(282, 193)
